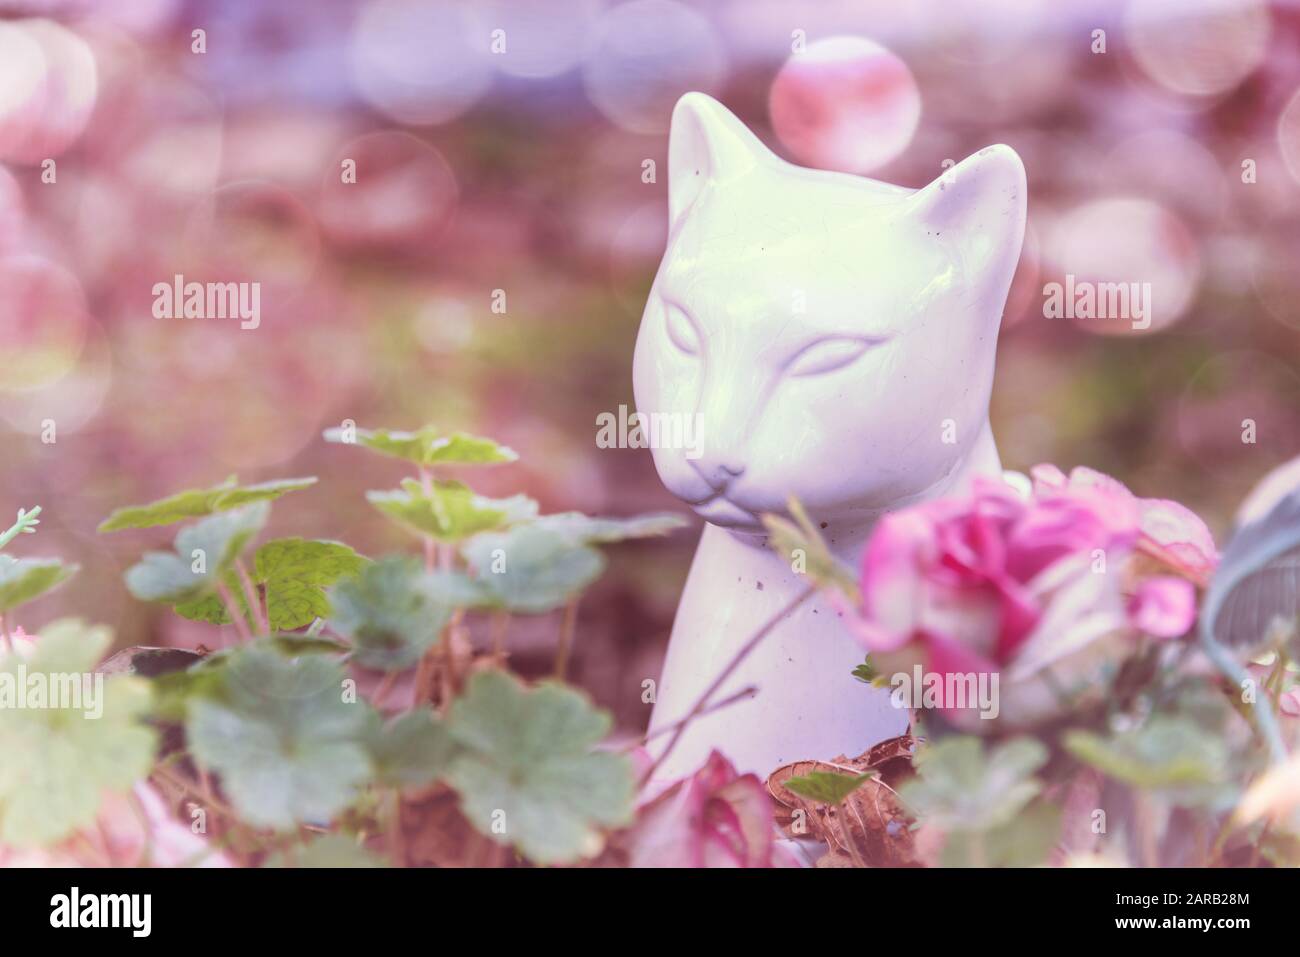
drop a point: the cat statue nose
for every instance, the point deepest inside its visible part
(719, 472)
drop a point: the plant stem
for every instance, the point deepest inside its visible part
(396, 838)
(381, 692)
(232, 609)
(1232, 669)
(500, 625)
(722, 677)
(567, 624)
(729, 700)
(250, 595)
(430, 547)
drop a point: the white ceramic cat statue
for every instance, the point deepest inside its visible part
(831, 337)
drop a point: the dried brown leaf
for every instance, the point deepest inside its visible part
(870, 827)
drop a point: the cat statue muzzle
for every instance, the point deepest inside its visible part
(825, 336)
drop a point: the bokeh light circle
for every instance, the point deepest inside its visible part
(403, 192)
(47, 89)
(1273, 275)
(1127, 240)
(634, 248)
(43, 322)
(845, 103)
(543, 38)
(644, 55)
(1288, 135)
(1141, 165)
(419, 61)
(253, 231)
(73, 400)
(48, 86)
(12, 212)
(1198, 47)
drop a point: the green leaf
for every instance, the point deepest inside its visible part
(332, 850)
(527, 765)
(210, 608)
(584, 530)
(24, 524)
(23, 579)
(959, 787)
(413, 749)
(175, 689)
(198, 502)
(204, 552)
(427, 446)
(287, 745)
(828, 787)
(1165, 753)
(866, 671)
(59, 762)
(531, 569)
(1026, 841)
(389, 612)
(449, 511)
(294, 574)
(801, 544)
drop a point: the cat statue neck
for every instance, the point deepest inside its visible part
(829, 337)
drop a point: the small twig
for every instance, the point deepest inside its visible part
(567, 624)
(430, 546)
(726, 673)
(381, 691)
(1263, 706)
(250, 595)
(396, 837)
(847, 834)
(232, 609)
(146, 826)
(500, 625)
(725, 702)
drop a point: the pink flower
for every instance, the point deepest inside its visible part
(1167, 532)
(1043, 588)
(714, 818)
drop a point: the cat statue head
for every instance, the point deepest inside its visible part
(822, 335)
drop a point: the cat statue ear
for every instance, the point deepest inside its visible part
(706, 144)
(980, 205)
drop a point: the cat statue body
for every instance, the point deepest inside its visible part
(830, 337)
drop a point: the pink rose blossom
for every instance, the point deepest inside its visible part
(1168, 532)
(1008, 583)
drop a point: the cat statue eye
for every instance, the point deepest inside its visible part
(827, 337)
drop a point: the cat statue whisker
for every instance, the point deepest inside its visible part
(834, 338)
